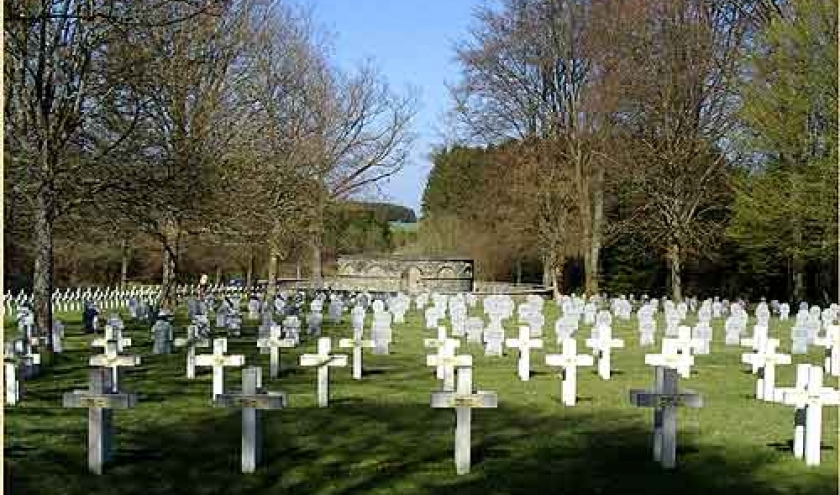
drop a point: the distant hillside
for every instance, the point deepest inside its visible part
(388, 212)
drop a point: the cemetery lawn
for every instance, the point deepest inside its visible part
(380, 436)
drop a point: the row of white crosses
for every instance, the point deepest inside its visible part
(808, 395)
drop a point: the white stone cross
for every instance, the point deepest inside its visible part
(665, 398)
(463, 399)
(569, 360)
(357, 344)
(253, 401)
(758, 339)
(112, 334)
(11, 383)
(602, 347)
(813, 399)
(764, 361)
(831, 342)
(685, 343)
(113, 360)
(524, 344)
(191, 343)
(671, 358)
(219, 360)
(323, 360)
(273, 344)
(803, 372)
(100, 403)
(445, 362)
(439, 344)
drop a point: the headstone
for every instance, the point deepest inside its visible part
(665, 398)
(812, 400)
(219, 361)
(357, 344)
(831, 342)
(602, 348)
(113, 360)
(463, 399)
(446, 362)
(800, 390)
(569, 360)
(100, 403)
(524, 344)
(192, 341)
(323, 360)
(475, 329)
(273, 343)
(764, 362)
(253, 401)
(162, 331)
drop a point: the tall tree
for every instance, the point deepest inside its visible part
(678, 62)
(787, 204)
(528, 74)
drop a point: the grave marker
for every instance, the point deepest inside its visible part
(665, 398)
(252, 401)
(463, 400)
(323, 360)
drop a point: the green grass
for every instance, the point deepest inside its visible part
(379, 435)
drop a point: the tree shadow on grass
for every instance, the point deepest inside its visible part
(368, 447)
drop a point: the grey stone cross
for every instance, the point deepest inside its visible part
(665, 398)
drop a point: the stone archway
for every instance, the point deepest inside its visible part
(411, 280)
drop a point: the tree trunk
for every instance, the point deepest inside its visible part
(271, 290)
(592, 268)
(249, 275)
(548, 270)
(42, 277)
(557, 273)
(123, 264)
(585, 211)
(675, 262)
(170, 247)
(317, 278)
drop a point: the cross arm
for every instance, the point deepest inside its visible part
(647, 398)
(452, 399)
(83, 398)
(271, 400)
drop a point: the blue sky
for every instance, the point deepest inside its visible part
(411, 43)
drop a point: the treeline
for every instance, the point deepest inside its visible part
(213, 133)
(665, 146)
(87, 255)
